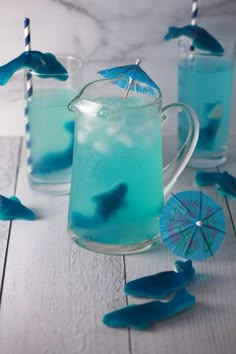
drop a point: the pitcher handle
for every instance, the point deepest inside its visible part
(172, 171)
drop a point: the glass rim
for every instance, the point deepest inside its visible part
(157, 98)
(65, 57)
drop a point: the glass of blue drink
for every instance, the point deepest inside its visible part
(205, 82)
(50, 127)
(118, 183)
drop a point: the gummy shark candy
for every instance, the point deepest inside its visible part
(213, 113)
(199, 36)
(111, 200)
(226, 183)
(52, 162)
(45, 64)
(142, 316)
(107, 203)
(162, 284)
(11, 208)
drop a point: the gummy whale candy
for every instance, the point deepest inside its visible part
(45, 64)
(11, 208)
(142, 316)
(199, 36)
(162, 284)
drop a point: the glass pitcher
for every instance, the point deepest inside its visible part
(118, 181)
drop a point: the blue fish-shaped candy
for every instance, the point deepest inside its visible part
(107, 203)
(56, 161)
(110, 201)
(162, 284)
(143, 316)
(213, 113)
(199, 36)
(11, 208)
(45, 64)
(226, 183)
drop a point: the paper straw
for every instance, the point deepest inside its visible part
(194, 20)
(29, 92)
(194, 12)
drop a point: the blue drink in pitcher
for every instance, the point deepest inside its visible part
(118, 166)
(118, 183)
(205, 83)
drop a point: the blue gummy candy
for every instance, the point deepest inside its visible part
(45, 64)
(226, 183)
(142, 316)
(161, 284)
(213, 116)
(55, 161)
(199, 36)
(107, 203)
(11, 208)
(110, 201)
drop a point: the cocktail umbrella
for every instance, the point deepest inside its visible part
(192, 225)
(130, 77)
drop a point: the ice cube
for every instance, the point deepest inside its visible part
(88, 108)
(113, 128)
(144, 127)
(125, 139)
(89, 125)
(101, 146)
(82, 136)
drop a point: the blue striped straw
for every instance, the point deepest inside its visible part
(194, 19)
(194, 12)
(29, 92)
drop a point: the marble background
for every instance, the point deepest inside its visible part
(103, 33)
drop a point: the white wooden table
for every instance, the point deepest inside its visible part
(54, 294)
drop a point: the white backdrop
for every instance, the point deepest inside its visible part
(103, 33)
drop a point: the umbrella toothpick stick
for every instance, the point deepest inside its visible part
(138, 61)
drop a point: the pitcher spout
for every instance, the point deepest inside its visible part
(73, 104)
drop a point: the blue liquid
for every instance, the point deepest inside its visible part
(117, 152)
(51, 142)
(205, 84)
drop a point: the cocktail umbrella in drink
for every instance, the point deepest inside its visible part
(136, 78)
(192, 225)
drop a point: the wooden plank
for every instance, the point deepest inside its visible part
(55, 293)
(9, 158)
(209, 326)
(230, 167)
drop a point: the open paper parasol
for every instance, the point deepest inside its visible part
(131, 77)
(192, 225)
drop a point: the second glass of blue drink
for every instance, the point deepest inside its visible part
(205, 82)
(50, 127)
(118, 183)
